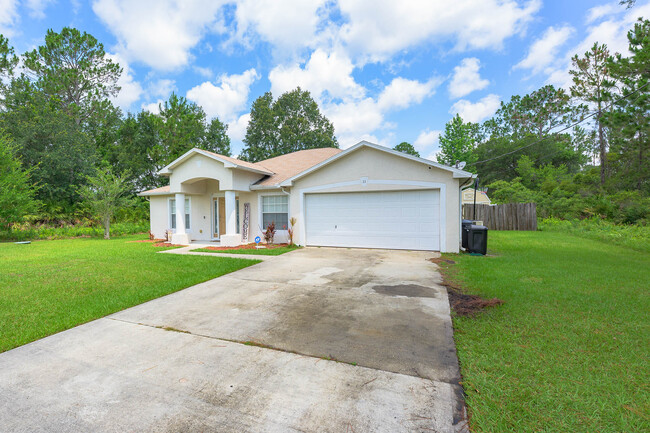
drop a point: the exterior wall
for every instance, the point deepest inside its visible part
(376, 165)
(196, 167)
(158, 215)
(481, 197)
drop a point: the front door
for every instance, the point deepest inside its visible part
(219, 213)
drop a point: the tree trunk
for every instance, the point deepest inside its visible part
(603, 150)
(107, 228)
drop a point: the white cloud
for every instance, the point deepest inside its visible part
(159, 33)
(237, 128)
(131, 90)
(477, 111)
(37, 8)
(401, 93)
(543, 52)
(8, 16)
(287, 24)
(601, 11)
(324, 75)
(227, 98)
(204, 72)
(379, 29)
(426, 138)
(162, 88)
(153, 107)
(466, 78)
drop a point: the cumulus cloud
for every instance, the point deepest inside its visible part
(601, 11)
(287, 24)
(325, 75)
(466, 78)
(159, 33)
(131, 90)
(477, 111)
(37, 8)
(162, 88)
(227, 98)
(237, 128)
(8, 16)
(543, 52)
(402, 93)
(379, 29)
(426, 139)
(153, 107)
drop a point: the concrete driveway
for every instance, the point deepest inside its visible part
(319, 339)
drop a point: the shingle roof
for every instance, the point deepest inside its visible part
(239, 162)
(289, 165)
(156, 191)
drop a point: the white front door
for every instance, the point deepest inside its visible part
(385, 219)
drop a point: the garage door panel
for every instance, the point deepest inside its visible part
(388, 219)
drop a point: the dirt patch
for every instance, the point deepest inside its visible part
(438, 260)
(464, 304)
(247, 247)
(156, 243)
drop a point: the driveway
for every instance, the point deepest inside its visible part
(318, 339)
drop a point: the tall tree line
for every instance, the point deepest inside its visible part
(579, 152)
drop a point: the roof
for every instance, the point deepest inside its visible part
(291, 164)
(163, 190)
(457, 173)
(227, 161)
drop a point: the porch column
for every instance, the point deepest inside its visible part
(231, 238)
(180, 237)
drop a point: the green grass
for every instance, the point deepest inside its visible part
(569, 350)
(50, 286)
(633, 236)
(261, 252)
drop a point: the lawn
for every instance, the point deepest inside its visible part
(50, 286)
(273, 251)
(569, 350)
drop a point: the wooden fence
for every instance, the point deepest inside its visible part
(510, 216)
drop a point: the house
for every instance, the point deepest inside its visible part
(481, 197)
(366, 196)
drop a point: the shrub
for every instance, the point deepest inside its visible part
(269, 233)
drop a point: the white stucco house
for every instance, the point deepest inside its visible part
(366, 196)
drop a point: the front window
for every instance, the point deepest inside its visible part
(172, 210)
(275, 208)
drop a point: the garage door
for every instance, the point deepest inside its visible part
(386, 219)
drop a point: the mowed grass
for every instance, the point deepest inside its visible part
(569, 351)
(50, 286)
(276, 251)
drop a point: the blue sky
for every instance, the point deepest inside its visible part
(385, 71)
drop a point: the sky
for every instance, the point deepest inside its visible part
(385, 71)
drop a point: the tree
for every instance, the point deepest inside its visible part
(592, 83)
(293, 122)
(58, 151)
(629, 120)
(16, 189)
(8, 59)
(407, 148)
(458, 141)
(73, 69)
(216, 138)
(182, 127)
(104, 194)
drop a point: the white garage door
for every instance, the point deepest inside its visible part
(387, 219)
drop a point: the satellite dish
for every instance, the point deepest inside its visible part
(461, 165)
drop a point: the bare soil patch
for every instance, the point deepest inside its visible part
(463, 304)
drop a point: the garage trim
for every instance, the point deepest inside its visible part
(364, 181)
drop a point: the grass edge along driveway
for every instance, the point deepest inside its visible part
(568, 351)
(276, 251)
(50, 286)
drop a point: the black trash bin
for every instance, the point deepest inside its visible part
(477, 239)
(465, 232)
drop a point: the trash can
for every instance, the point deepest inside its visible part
(465, 232)
(477, 239)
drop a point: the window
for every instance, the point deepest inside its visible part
(275, 208)
(172, 213)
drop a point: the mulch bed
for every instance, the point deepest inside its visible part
(463, 304)
(247, 247)
(157, 243)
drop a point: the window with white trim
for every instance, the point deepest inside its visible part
(275, 208)
(172, 213)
